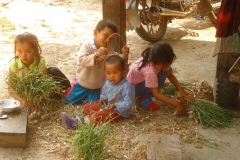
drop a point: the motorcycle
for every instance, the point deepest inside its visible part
(149, 18)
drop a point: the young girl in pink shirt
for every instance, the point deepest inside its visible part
(148, 75)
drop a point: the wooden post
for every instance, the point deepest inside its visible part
(115, 11)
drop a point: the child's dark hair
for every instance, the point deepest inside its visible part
(32, 40)
(115, 58)
(106, 23)
(159, 53)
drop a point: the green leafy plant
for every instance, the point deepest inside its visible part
(170, 89)
(92, 142)
(210, 114)
(34, 87)
(207, 113)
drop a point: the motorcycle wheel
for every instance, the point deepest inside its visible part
(225, 93)
(150, 31)
(212, 17)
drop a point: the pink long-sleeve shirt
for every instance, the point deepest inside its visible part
(148, 74)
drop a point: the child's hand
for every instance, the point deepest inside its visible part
(23, 103)
(180, 108)
(186, 95)
(125, 50)
(102, 51)
(102, 101)
(110, 107)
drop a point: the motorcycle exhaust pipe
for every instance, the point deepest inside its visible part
(155, 11)
(170, 12)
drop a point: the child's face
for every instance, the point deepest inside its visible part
(101, 38)
(162, 67)
(25, 52)
(114, 72)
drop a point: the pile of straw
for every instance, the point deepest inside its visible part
(51, 135)
(127, 142)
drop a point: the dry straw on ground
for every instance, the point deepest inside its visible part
(129, 143)
(128, 133)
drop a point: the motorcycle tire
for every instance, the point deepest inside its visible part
(212, 17)
(225, 93)
(151, 37)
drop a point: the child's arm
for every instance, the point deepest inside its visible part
(174, 81)
(103, 96)
(101, 51)
(125, 51)
(102, 101)
(98, 56)
(179, 106)
(87, 58)
(13, 93)
(17, 97)
(111, 107)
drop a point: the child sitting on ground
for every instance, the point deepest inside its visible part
(27, 57)
(117, 97)
(148, 75)
(90, 75)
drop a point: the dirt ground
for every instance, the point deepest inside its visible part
(63, 25)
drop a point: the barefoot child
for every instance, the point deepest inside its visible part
(116, 99)
(27, 57)
(148, 75)
(90, 75)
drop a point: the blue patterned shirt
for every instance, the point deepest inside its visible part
(121, 94)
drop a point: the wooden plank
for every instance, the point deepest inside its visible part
(13, 129)
(169, 148)
(153, 140)
(151, 149)
(163, 147)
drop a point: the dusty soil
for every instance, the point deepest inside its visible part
(63, 25)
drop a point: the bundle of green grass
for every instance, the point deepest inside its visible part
(206, 112)
(92, 142)
(170, 89)
(210, 114)
(37, 89)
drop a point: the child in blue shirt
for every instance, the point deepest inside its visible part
(116, 99)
